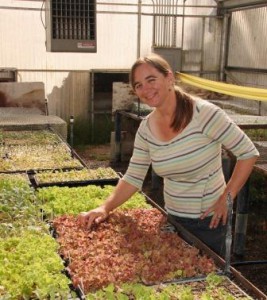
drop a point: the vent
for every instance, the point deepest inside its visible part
(71, 25)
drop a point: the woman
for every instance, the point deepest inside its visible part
(182, 137)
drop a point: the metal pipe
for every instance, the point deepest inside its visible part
(154, 26)
(177, 15)
(46, 107)
(182, 38)
(174, 41)
(161, 29)
(248, 70)
(92, 84)
(241, 220)
(117, 137)
(228, 239)
(224, 46)
(121, 12)
(167, 26)
(187, 280)
(139, 28)
(202, 44)
(249, 262)
(246, 7)
(71, 133)
(260, 108)
(101, 3)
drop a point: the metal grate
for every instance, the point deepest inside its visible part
(73, 19)
(165, 23)
(71, 25)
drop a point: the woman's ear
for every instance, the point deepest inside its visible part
(170, 75)
(171, 78)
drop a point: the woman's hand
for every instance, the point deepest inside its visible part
(220, 210)
(96, 215)
(242, 170)
(122, 192)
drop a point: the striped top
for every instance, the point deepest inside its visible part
(191, 162)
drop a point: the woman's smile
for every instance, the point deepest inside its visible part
(150, 85)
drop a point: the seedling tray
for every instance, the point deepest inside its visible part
(100, 182)
(138, 243)
(17, 155)
(72, 183)
(16, 175)
(195, 289)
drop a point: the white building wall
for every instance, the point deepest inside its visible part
(66, 76)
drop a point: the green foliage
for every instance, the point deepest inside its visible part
(214, 280)
(102, 128)
(136, 201)
(214, 289)
(75, 175)
(11, 180)
(257, 134)
(1, 136)
(81, 132)
(258, 189)
(30, 267)
(18, 207)
(64, 200)
(28, 157)
(86, 132)
(30, 137)
(124, 292)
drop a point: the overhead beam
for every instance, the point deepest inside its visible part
(235, 4)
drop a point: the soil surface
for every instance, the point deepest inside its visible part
(252, 265)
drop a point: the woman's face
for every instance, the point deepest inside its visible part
(151, 86)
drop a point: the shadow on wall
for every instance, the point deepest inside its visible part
(71, 99)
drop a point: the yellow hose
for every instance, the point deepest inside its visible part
(224, 88)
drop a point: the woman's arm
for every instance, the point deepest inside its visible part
(122, 193)
(130, 183)
(240, 175)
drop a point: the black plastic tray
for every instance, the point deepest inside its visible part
(23, 173)
(79, 183)
(101, 182)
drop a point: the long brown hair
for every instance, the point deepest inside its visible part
(184, 105)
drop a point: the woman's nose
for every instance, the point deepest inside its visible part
(145, 87)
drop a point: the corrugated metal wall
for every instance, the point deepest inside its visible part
(247, 50)
(248, 36)
(202, 54)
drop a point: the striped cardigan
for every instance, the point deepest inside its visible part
(191, 162)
